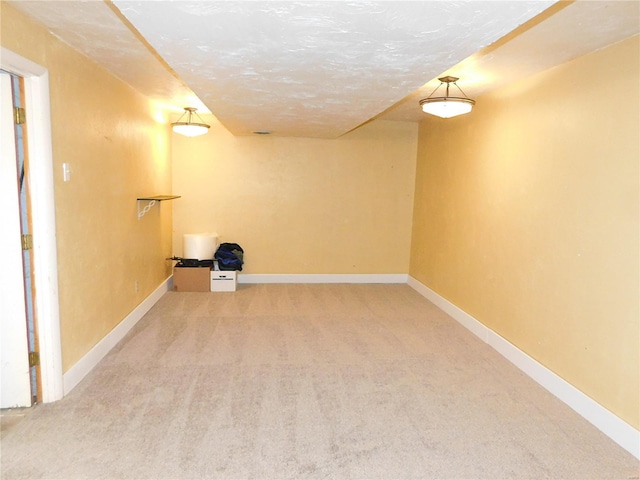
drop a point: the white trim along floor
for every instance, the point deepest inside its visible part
(615, 428)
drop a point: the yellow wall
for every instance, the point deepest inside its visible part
(117, 151)
(526, 217)
(525, 214)
(301, 205)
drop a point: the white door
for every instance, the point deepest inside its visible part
(15, 382)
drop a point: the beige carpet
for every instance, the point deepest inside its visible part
(307, 381)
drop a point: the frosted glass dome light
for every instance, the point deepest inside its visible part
(188, 127)
(447, 107)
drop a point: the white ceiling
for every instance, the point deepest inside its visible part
(320, 68)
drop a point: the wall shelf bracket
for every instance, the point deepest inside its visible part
(151, 201)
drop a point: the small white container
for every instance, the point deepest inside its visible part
(200, 246)
(224, 280)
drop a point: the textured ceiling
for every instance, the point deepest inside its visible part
(563, 32)
(320, 69)
(315, 69)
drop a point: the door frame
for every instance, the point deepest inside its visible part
(45, 259)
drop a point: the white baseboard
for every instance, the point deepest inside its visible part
(611, 425)
(477, 328)
(75, 374)
(323, 278)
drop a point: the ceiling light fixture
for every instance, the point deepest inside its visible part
(189, 127)
(447, 107)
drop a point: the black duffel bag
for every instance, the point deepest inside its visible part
(230, 256)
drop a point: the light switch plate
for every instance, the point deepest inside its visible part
(66, 172)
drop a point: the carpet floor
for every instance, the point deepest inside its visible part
(307, 381)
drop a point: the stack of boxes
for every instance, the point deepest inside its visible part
(197, 271)
(203, 279)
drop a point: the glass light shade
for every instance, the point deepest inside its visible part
(187, 127)
(447, 107)
(190, 129)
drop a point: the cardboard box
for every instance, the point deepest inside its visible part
(191, 279)
(224, 280)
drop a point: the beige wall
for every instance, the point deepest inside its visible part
(526, 217)
(300, 205)
(117, 150)
(526, 211)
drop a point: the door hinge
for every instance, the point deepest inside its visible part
(34, 359)
(27, 242)
(20, 115)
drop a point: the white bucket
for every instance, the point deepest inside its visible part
(200, 246)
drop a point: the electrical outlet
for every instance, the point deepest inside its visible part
(137, 286)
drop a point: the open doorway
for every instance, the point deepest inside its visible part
(18, 374)
(44, 262)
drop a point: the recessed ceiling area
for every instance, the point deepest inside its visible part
(315, 69)
(321, 69)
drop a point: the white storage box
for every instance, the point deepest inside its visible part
(224, 280)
